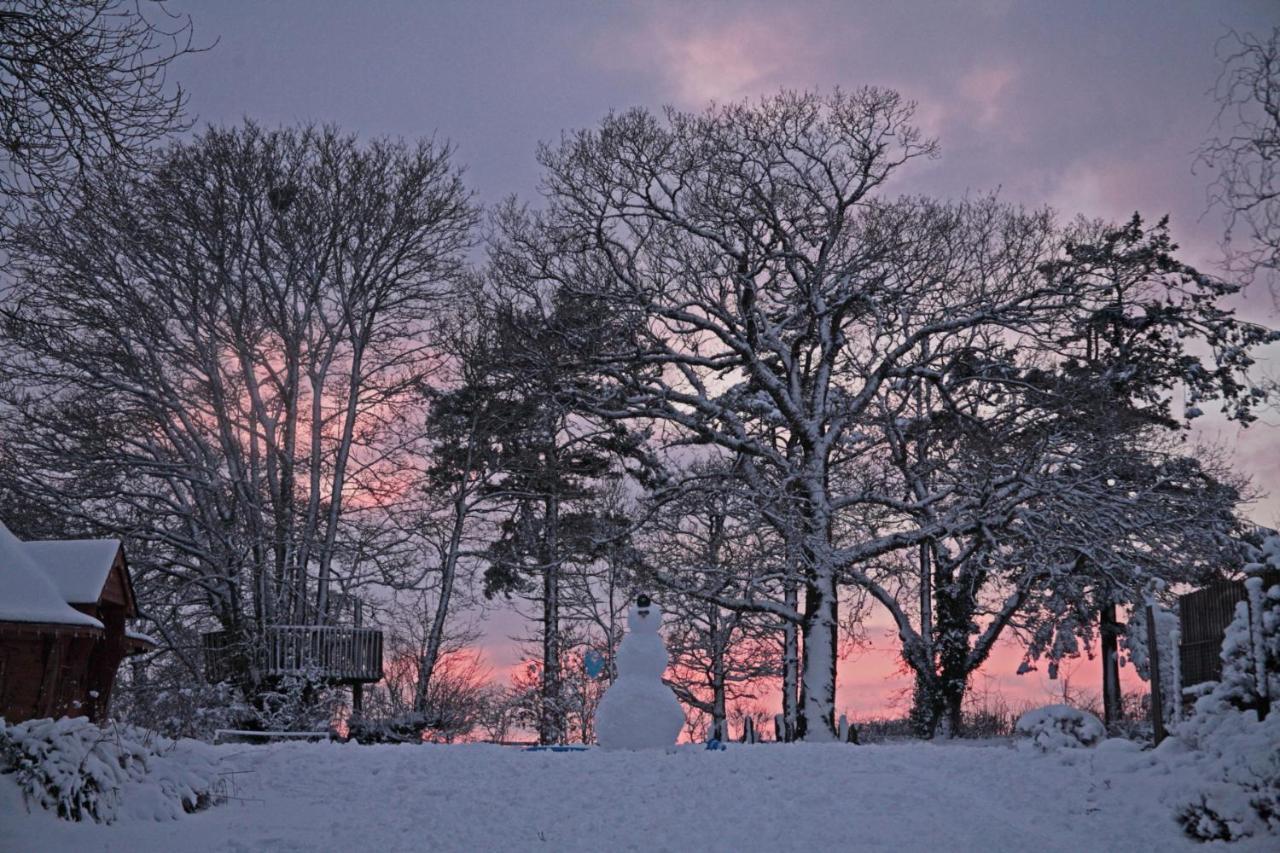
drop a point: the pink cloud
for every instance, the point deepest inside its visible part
(987, 90)
(722, 60)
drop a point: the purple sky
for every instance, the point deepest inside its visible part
(1091, 107)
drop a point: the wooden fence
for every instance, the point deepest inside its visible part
(1203, 618)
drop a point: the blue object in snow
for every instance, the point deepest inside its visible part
(555, 748)
(593, 662)
(714, 743)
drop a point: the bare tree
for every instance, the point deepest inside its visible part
(638, 207)
(223, 357)
(81, 81)
(1245, 153)
(758, 297)
(1083, 415)
(709, 544)
(458, 482)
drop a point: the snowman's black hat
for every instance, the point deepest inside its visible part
(642, 601)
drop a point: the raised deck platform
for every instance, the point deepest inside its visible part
(336, 654)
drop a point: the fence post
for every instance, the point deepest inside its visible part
(1153, 654)
(1256, 598)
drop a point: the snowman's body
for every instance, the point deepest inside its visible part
(638, 711)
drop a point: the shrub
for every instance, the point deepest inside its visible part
(194, 711)
(1056, 727)
(81, 771)
(1235, 725)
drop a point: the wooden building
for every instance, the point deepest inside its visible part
(1203, 617)
(64, 607)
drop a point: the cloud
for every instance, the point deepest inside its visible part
(698, 61)
(722, 64)
(986, 89)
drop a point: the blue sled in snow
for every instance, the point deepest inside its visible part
(556, 748)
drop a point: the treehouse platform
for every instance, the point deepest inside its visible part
(338, 655)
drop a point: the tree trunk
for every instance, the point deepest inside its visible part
(790, 668)
(718, 712)
(925, 708)
(1112, 707)
(816, 717)
(550, 727)
(435, 637)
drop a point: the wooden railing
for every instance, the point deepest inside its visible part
(328, 652)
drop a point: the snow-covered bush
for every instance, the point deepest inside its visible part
(1235, 724)
(296, 703)
(194, 711)
(403, 728)
(1239, 792)
(81, 771)
(1136, 642)
(1056, 727)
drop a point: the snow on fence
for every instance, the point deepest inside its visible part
(351, 655)
(246, 736)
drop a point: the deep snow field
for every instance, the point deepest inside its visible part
(913, 796)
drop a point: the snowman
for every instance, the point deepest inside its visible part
(638, 711)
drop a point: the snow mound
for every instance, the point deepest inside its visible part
(1119, 745)
(1055, 727)
(80, 771)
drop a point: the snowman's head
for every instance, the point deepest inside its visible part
(644, 617)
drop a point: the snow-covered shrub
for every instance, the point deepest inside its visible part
(79, 770)
(403, 728)
(1136, 642)
(296, 703)
(195, 711)
(1240, 794)
(1056, 727)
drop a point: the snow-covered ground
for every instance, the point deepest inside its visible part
(915, 796)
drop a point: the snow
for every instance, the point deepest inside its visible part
(917, 796)
(1237, 772)
(77, 567)
(1056, 727)
(26, 592)
(141, 637)
(1237, 793)
(638, 711)
(74, 768)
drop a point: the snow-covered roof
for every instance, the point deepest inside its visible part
(77, 567)
(27, 594)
